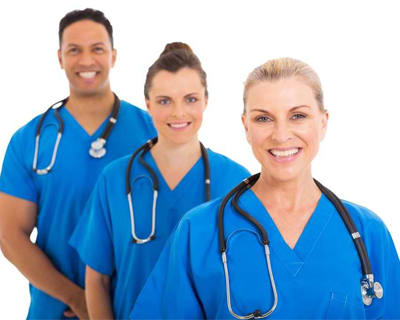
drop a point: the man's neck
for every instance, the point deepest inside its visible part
(91, 110)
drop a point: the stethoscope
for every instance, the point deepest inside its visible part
(369, 288)
(97, 148)
(155, 185)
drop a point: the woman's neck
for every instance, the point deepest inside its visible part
(174, 160)
(288, 195)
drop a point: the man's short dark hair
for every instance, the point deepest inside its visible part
(87, 14)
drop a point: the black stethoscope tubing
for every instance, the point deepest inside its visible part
(97, 152)
(155, 185)
(344, 214)
(369, 288)
(145, 148)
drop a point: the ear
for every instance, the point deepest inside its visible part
(324, 125)
(205, 104)
(246, 128)
(113, 57)
(60, 58)
(148, 106)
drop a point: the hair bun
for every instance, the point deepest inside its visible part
(176, 46)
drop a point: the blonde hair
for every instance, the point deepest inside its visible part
(283, 68)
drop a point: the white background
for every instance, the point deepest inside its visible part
(353, 46)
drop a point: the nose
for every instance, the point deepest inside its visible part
(86, 58)
(282, 132)
(178, 110)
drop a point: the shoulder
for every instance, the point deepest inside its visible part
(368, 222)
(220, 161)
(116, 167)
(132, 110)
(27, 132)
(202, 218)
(362, 214)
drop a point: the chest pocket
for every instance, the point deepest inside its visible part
(343, 307)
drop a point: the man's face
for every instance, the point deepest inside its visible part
(86, 55)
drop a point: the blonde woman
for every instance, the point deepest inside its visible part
(280, 245)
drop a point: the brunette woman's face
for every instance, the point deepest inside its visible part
(176, 103)
(284, 126)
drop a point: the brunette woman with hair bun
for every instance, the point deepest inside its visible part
(140, 198)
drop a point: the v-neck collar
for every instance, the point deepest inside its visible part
(293, 259)
(70, 119)
(171, 197)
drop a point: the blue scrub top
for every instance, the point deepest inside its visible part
(62, 194)
(103, 236)
(318, 279)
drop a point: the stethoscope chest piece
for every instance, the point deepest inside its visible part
(370, 290)
(97, 149)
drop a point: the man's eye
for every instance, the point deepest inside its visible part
(73, 50)
(99, 49)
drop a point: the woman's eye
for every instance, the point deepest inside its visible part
(192, 99)
(263, 119)
(298, 116)
(163, 101)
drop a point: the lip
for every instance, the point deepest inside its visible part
(188, 124)
(285, 159)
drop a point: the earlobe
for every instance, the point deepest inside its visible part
(148, 106)
(325, 119)
(114, 57)
(246, 129)
(206, 104)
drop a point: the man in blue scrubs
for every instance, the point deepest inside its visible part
(53, 202)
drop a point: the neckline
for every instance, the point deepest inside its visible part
(79, 128)
(293, 259)
(173, 195)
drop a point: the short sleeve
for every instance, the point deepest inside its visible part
(92, 237)
(170, 291)
(16, 176)
(391, 293)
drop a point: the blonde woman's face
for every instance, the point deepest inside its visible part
(176, 103)
(284, 127)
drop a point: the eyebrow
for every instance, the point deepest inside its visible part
(292, 109)
(92, 45)
(190, 94)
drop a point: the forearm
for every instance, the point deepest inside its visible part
(98, 297)
(33, 263)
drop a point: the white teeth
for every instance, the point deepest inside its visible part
(286, 153)
(179, 125)
(87, 75)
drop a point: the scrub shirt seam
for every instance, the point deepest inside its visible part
(320, 235)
